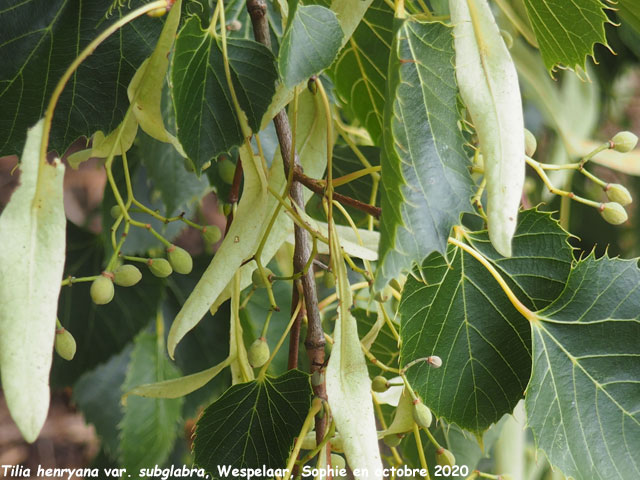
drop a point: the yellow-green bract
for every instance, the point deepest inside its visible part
(32, 235)
(348, 384)
(488, 84)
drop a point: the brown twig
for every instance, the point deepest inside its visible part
(294, 333)
(314, 342)
(318, 186)
(234, 193)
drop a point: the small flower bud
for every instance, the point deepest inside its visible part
(379, 384)
(530, 143)
(445, 458)
(613, 213)
(212, 234)
(160, 267)
(422, 415)
(127, 275)
(102, 290)
(65, 344)
(618, 193)
(258, 353)
(624, 142)
(180, 260)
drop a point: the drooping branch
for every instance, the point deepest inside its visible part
(314, 342)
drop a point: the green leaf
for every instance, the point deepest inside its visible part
(311, 42)
(629, 11)
(32, 235)
(360, 72)
(97, 394)
(253, 424)
(149, 426)
(461, 314)
(583, 398)
(38, 43)
(567, 31)
(100, 331)
(205, 115)
(426, 183)
(538, 272)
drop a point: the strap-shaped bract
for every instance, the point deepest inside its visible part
(488, 84)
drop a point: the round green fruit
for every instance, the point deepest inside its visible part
(212, 234)
(226, 170)
(422, 415)
(102, 289)
(65, 344)
(613, 213)
(618, 193)
(258, 280)
(160, 267)
(379, 384)
(180, 260)
(445, 458)
(258, 353)
(127, 275)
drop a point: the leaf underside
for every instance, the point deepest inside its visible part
(583, 400)
(426, 184)
(462, 315)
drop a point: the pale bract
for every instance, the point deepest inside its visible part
(488, 84)
(32, 235)
(348, 384)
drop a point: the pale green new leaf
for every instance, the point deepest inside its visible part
(489, 87)
(360, 72)
(32, 235)
(178, 387)
(426, 183)
(310, 44)
(348, 383)
(583, 399)
(461, 314)
(567, 30)
(150, 425)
